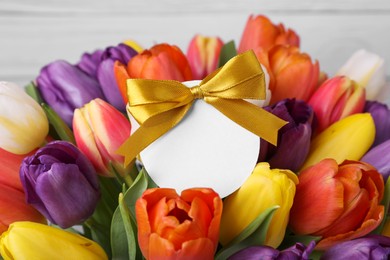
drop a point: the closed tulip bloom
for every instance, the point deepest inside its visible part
(260, 32)
(379, 157)
(296, 252)
(99, 130)
(335, 99)
(162, 61)
(100, 65)
(292, 73)
(263, 189)
(371, 247)
(60, 168)
(23, 123)
(178, 227)
(381, 115)
(368, 69)
(294, 138)
(66, 87)
(203, 55)
(349, 138)
(337, 202)
(28, 240)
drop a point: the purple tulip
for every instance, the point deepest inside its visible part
(379, 157)
(294, 138)
(370, 247)
(61, 183)
(298, 251)
(381, 115)
(65, 87)
(100, 65)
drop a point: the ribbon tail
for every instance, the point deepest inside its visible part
(253, 118)
(147, 133)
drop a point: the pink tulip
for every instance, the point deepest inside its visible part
(99, 130)
(335, 99)
(203, 55)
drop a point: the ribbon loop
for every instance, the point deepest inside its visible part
(162, 104)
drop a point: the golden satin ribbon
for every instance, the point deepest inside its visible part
(159, 105)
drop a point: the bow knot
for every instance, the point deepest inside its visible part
(159, 105)
(197, 92)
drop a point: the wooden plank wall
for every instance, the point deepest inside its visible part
(36, 32)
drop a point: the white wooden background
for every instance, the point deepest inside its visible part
(36, 32)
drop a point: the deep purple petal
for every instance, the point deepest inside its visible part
(122, 53)
(65, 87)
(109, 84)
(66, 195)
(89, 62)
(379, 157)
(381, 115)
(370, 247)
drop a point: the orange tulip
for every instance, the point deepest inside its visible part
(13, 206)
(337, 202)
(260, 32)
(178, 227)
(203, 55)
(335, 99)
(292, 73)
(162, 61)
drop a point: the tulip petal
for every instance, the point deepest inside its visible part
(121, 77)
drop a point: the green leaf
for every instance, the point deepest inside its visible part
(59, 126)
(386, 203)
(33, 92)
(228, 51)
(253, 235)
(131, 233)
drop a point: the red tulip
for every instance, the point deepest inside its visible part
(203, 55)
(162, 61)
(337, 202)
(260, 32)
(335, 99)
(13, 206)
(292, 73)
(178, 227)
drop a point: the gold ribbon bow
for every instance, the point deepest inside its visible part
(159, 105)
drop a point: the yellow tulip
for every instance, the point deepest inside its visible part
(263, 189)
(28, 240)
(349, 138)
(23, 123)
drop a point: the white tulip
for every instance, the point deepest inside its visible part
(23, 123)
(368, 69)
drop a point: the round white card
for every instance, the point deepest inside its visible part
(206, 149)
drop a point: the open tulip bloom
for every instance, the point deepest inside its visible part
(315, 187)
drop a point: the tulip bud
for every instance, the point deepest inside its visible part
(350, 138)
(368, 70)
(297, 251)
(60, 168)
(23, 123)
(28, 240)
(369, 247)
(260, 32)
(335, 99)
(381, 115)
(379, 157)
(203, 55)
(100, 65)
(65, 87)
(293, 75)
(337, 202)
(294, 138)
(99, 130)
(178, 227)
(263, 189)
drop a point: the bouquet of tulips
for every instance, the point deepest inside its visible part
(321, 193)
